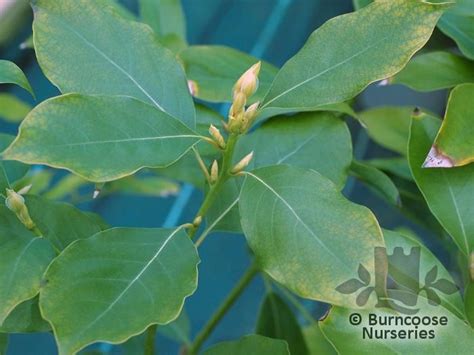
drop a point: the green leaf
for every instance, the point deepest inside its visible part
(61, 223)
(317, 342)
(151, 186)
(359, 4)
(451, 302)
(388, 126)
(313, 140)
(103, 138)
(304, 233)
(3, 343)
(101, 43)
(448, 192)
(304, 140)
(250, 344)
(11, 74)
(469, 302)
(12, 109)
(395, 166)
(453, 144)
(383, 37)
(457, 24)
(39, 180)
(435, 71)
(117, 283)
(179, 329)
(215, 69)
(67, 185)
(10, 171)
(164, 16)
(277, 321)
(456, 337)
(377, 180)
(25, 318)
(24, 260)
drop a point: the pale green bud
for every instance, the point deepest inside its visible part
(241, 165)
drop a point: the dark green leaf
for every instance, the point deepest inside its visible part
(250, 344)
(277, 321)
(10, 171)
(25, 318)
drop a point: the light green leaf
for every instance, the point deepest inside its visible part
(164, 16)
(215, 69)
(359, 4)
(457, 23)
(67, 185)
(304, 233)
(13, 109)
(11, 74)
(3, 343)
(383, 37)
(10, 171)
(100, 138)
(23, 262)
(453, 145)
(277, 321)
(388, 126)
(151, 186)
(377, 180)
(317, 342)
(39, 180)
(454, 338)
(250, 344)
(452, 302)
(117, 283)
(25, 318)
(123, 57)
(61, 223)
(448, 192)
(395, 166)
(435, 71)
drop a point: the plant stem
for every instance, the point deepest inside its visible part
(150, 340)
(223, 176)
(202, 165)
(223, 308)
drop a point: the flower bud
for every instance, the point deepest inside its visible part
(214, 172)
(197, 221)
(216, 134)
(251, 114)
(248, 82)
(16, 203)
(238, 105)
(241, 165)
(193, 88)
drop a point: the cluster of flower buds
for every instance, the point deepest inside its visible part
(16, 203)
(240, 119)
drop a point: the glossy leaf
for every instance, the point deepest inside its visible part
(448, 192)
(317, 342)
(455, 337)
(25, 318)
(23, 262)
(304, 233)
(383, 37)
(376, 180)
(215, 69)
(451, 301)
(11, 74)
(276, 320)
(100, 138)
(12, 109)
(250, 344)
(164, 16)
(101, 43)
(10, 171)
(61, 223)
(435, 71)
(454, 144)
(115, 284)
(3, 343)
(457, 24)
(388, 126)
